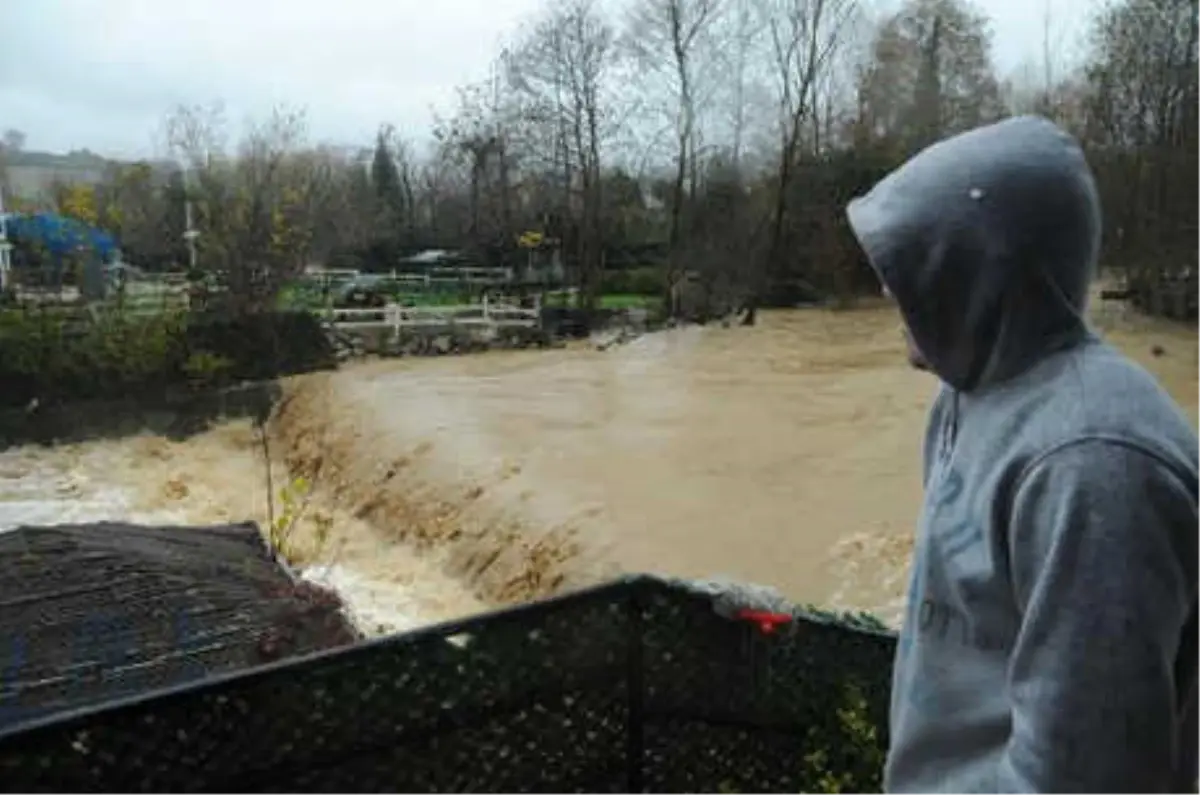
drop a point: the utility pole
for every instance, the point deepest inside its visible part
(5, 246)
(190, 233)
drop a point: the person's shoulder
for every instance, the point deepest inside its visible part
(1107, 395)
(1088, 410)
(1102, 376)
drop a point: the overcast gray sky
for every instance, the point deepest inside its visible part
(102, 73)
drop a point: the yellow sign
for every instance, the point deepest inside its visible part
(530, 239)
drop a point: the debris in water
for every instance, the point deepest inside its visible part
(176, 489)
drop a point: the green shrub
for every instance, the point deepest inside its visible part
(646, 280)
(55, 355)
(293, 503)
(205, 369)
(263, 346)
(59, 355)
(837, 756)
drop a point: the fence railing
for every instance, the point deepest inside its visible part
(141, 299)
(485, 314)
(639, 685)
(425, 279)
(469, 275)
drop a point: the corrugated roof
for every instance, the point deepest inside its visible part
(89, 613)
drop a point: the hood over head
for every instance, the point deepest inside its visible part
(988, 241)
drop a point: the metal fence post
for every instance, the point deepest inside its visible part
(635, 756)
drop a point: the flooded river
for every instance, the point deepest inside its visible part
(219, 477)
(784, 454)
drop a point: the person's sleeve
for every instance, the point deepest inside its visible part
(1102, 550)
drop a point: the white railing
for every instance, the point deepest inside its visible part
(484, 315)
(149, 296)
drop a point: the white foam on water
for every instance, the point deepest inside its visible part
(375, 607)
(37, 491)
(216, 478)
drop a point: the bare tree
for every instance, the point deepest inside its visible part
(476, 138)
(805, 35)
(1048, 83)
(664, 36)
(406, 170)
(1141, 123)
(561, 69)
(931, 74)
(738, 44)
(255, 211)
(195, 135)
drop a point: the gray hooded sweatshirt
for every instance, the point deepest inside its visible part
(1050, 639)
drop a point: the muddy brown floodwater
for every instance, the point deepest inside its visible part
(786, 454)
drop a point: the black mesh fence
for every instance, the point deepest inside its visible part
(640, 685)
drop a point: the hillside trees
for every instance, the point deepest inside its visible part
(931, 75)
(1140, 87)
(719, 139)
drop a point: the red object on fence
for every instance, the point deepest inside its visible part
(767, 621)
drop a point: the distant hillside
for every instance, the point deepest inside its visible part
(30, 175)
(81, 160)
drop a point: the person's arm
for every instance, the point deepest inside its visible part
(1102, 549)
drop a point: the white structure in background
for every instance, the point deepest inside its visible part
(190, 234)
(5, 247)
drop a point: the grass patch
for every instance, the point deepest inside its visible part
(608, 301)
(301, 296)
(629, 301)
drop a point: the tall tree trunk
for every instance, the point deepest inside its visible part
(675, 269)
(506, 218)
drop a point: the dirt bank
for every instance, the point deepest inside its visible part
(394, 488)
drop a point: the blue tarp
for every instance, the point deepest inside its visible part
(59, 234)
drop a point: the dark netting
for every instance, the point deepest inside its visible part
(729, 707)
(636, 686)
(92, 613)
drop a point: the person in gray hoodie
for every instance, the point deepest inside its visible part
(1050, 638)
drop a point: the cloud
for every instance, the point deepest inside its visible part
(102, 74)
